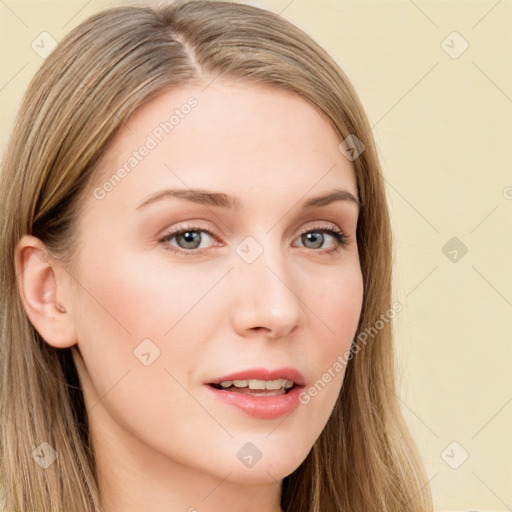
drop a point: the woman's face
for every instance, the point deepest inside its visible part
(251, 290)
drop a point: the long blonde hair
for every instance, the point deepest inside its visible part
(365, 459)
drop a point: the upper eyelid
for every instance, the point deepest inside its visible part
(213, 231)
(191, 227)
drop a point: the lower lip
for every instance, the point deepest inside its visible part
(263, 407)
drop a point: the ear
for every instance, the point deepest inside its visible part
(44, 290)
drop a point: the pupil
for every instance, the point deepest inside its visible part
(189, 237)
(313, 236)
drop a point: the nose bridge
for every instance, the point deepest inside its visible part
(266, 296)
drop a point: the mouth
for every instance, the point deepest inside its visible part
(256, 387)
(261, 393)
(260, 382)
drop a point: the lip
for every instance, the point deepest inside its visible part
(262, 407)
(263, 374)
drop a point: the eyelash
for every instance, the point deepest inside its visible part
(341, 238)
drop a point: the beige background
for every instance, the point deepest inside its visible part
(443, 126)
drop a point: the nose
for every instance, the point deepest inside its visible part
(266, 297)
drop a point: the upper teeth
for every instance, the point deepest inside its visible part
(258, 384)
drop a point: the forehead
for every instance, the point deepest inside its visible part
(241, 137)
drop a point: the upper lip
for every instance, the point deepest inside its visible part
(263, 374)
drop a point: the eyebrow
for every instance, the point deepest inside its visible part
(222, 200)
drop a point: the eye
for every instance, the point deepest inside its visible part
(314, 238)
(188, 240)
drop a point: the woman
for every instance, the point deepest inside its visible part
(200, 165)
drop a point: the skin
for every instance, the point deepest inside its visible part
(162, 442)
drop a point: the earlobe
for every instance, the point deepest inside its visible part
(41, 292)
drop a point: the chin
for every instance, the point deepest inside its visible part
(273, 465)
(261, 475)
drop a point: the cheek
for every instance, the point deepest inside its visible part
(144, 326)
(337, 305)
(142, 335)
(138, 297)
(335, 314)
